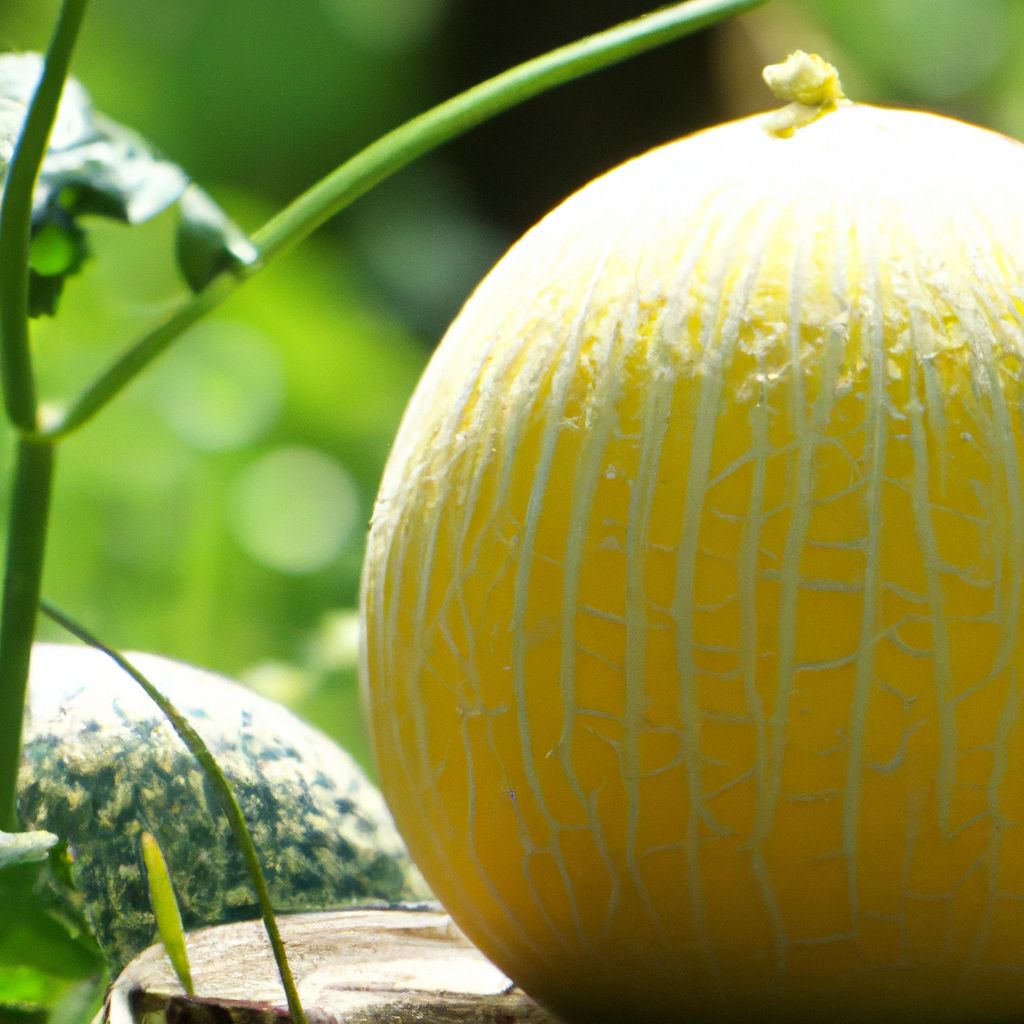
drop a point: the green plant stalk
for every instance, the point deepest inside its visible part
(391, 153)
(26, 543)
(480, 103)
(33, 472)
(221, 787)
(16, 220)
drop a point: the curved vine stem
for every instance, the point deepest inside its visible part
(391, 153)
(26, 544)
(426, 132)
(33, 472)
(220, 785)
(19, 391)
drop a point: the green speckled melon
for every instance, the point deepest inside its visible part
(101, 764)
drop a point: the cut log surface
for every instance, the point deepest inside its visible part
(360, 966)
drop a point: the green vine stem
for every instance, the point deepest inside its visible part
(28, 518)
(26, 543)
(397, 148)
(220, 785)
(391, 153)
(19, 391)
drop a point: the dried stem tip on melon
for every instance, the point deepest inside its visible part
(809, 84)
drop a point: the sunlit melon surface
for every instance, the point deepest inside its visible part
(693, 597)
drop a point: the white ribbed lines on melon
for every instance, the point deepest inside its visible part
(693, 594)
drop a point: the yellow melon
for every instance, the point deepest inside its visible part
(692, 604)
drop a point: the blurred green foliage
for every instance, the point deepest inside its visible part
(217, 511)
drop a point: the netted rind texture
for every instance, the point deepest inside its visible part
(693, 592)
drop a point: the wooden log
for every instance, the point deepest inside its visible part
(359, 966)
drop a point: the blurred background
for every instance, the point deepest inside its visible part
(216, 513)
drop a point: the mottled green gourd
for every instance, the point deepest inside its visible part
(101, 765)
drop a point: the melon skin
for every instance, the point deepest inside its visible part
(692, 601)
(101, 765)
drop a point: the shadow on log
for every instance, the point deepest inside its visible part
(360, 966)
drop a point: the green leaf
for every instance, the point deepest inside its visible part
(58, 250)
(39, 927)
(208, 243)
(25, 847)
(44, 957)
(95, 166)
(28, 994)
(165, 907)
(27, 990)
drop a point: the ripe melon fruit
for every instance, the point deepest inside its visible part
(692, 603)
